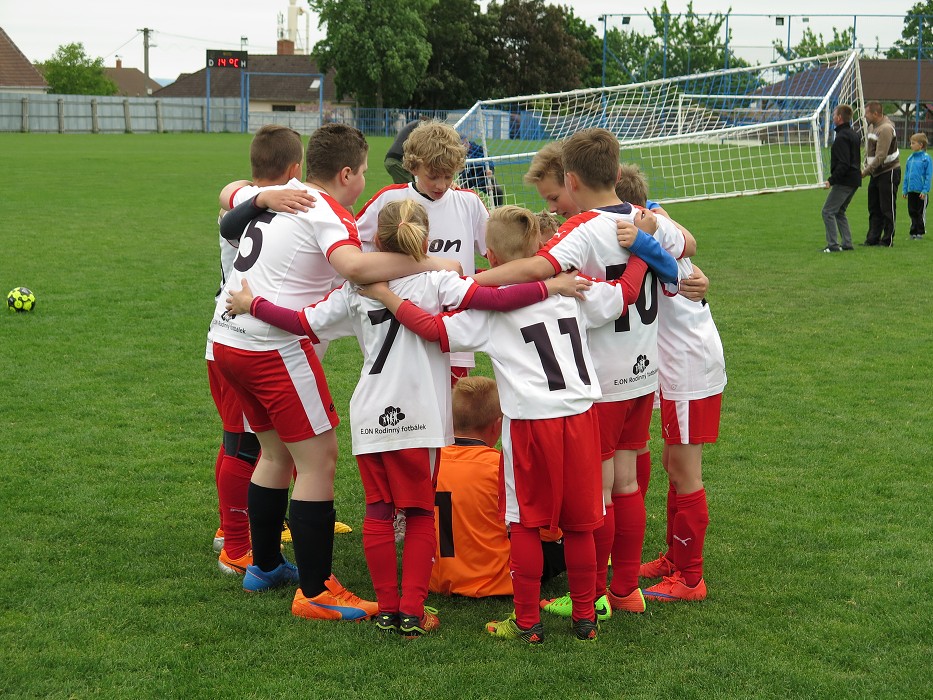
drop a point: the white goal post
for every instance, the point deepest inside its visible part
(724, 133)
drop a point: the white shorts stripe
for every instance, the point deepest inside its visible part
(305, 383)
(683, 420)
(512, 514)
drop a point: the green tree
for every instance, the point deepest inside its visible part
(906, 46)
(814, 45)
(533, 51)
(70, 71)
(693, 45)
(457, 73)
(379, 48)
(590, 45)
(693, 42)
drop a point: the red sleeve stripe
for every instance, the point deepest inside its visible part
(232, 195)
(465, 304)
(550, 258)
(377, 196)
(442, 340)
(302, 317)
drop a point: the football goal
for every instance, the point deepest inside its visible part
(725, 133)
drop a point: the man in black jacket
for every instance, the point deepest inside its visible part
(844, 178)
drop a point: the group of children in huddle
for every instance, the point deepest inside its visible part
(583, 330)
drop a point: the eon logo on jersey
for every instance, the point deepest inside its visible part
(439, 245)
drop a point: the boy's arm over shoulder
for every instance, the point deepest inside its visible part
(228, 192)
(533, 269)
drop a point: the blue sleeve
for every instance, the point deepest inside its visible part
(658, 259)
(929, 174)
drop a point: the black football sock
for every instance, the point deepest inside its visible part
(312, 526)
(266, 515)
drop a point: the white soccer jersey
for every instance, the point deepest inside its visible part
(285, 259)
(228, 253)
(691, 361)
(457, 224)
(402, 399)
(625, 351)
(539, 353)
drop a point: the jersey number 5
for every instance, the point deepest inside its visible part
(254, 234)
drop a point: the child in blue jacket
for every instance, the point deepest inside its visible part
(916, 188)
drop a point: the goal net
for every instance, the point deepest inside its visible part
(724, 133)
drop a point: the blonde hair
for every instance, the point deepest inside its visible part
(436, 146)
(547, 223)
(512, 233)
(547, 162)
(402, 227)
(632, 186)
(475, 403)
(593, 156)
(921, 137)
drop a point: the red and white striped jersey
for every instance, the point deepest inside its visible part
(625, 351)
(285, 259)
(457, 229)
(402, 399)
(691, 361)
(539, 353)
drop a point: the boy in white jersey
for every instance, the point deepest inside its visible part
(293, 260)
(396, 445)
(547, 385)
(434, 154)
(624, 352)
(692, 378)
(275, 158)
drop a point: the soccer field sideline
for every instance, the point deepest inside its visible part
(819, 564)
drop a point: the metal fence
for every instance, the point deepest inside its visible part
(41, 113)
(30, 112)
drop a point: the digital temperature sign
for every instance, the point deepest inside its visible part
(226, 59)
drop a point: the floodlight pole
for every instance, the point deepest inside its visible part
(920, 19)
(603, 19)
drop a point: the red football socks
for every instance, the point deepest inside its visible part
(232, 493)
(630, 536)
(604, 537)
(527, 563)
(689, 532)
(417, 559)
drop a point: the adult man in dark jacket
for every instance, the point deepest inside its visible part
(393, 159)
(844, 178)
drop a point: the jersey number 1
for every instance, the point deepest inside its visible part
(537, 333)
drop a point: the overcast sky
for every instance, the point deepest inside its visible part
(183, 29)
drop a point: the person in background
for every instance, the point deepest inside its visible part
(844, 179)
(883, 164)
(917, 185)
(393, 159)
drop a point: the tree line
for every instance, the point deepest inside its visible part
(437, 54)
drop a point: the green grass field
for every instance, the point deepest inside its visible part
(818, 556)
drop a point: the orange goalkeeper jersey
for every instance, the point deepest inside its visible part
(472, 556)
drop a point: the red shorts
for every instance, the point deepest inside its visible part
(624, 425)
(551, 474)
(690, 422)
(458, 373)
(227, 402)
(282, 390)
(406, 478)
